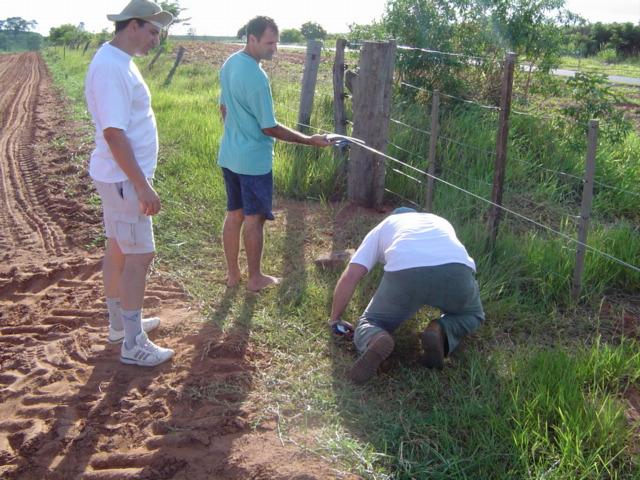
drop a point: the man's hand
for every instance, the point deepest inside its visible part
(286, 134)
(319, 141)
(148, 198)
(126, 160)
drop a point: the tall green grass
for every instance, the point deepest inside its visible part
(534, 394)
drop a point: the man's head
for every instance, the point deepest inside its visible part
(262, 38)
(139, 25)
(403, 210)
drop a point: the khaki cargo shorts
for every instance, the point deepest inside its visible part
(123, 221)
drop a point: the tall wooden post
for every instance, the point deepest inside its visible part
(585, 209)
(309, 77)
(433, 142)
(172, 72)
(371, 114)
(154, 59)
(339, 114)
(502, 139)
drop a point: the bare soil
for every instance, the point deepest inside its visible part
(68, 408)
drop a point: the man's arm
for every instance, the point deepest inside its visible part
(126, 160)
(344, 289)
(223, 112)
(287, 134)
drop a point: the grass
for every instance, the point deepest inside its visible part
(536, 393)
(626, 68)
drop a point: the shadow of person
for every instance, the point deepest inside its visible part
(179, 418)
(293, 287)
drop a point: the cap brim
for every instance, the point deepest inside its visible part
(159, 20)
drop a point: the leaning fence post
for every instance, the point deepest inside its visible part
(181, 51)
(339, 115)
(433, 142)
(371, 114)
(86, 46)
(155, 58)
(502, 139)
(585, 209)
(309, 77)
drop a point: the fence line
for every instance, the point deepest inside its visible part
(487, 201)
(413, 154)
(402, 197)
(449, 54)
(404, 174)
(507, 210)
(488, 153)
(398, 122)
(453, 97)
(512, 194)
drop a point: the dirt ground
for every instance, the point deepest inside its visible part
(68, 408)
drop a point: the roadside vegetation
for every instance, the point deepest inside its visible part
(542, 390)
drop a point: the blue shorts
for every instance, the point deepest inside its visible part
(251, 193)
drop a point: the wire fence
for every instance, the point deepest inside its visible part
(541, 214)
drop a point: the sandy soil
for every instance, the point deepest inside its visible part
(68, 408)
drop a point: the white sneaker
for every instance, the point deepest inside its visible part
(144, 353)
(148, 324)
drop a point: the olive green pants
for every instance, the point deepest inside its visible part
(452, 288)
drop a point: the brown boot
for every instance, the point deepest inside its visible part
(433, 344)
(378, 349)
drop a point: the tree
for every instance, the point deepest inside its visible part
(15, 35)
(360, 32)
(313, 31)
(67, 34)
(482, 28)
(103, 36)
(291, 35)
(17, 25)
(174, 8)
(242, 32)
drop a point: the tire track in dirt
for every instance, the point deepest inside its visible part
(25, 212)
(68, 408)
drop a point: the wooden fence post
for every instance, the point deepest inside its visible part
(371, 114)
(181, 51)
(154, 59)
(585, 209)
(339, 115)
(86, 46)
(502, 139)
(433, 142)
(309, 77)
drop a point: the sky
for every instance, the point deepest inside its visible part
(209, 18)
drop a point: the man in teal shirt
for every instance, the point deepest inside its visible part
(246, 150)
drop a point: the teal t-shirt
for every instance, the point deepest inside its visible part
(246, 94)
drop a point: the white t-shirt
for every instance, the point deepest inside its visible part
(117, 97)
(410, 240)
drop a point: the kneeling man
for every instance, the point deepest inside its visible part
(424, 264)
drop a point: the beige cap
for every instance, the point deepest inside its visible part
(144, 10)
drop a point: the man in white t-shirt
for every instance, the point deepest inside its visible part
(424, 264)
(122, 167)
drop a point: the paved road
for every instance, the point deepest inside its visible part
(612, 78)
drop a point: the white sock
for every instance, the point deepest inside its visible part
(115, 313)
(132, 321)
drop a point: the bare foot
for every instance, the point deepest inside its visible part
(233, 280)
(262, 282)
